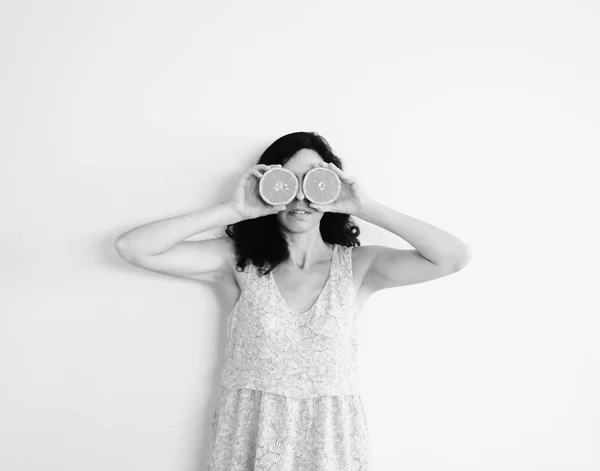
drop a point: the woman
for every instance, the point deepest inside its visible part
(296, 284)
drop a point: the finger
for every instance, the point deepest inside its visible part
(331, 166)
(336, 169)
(343, 175)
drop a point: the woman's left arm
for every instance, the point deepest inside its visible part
(436, 253)
(433, 243)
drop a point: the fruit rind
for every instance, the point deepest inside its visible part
(261, 186)
(307, 179)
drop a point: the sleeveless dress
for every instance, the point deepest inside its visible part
(289, 398)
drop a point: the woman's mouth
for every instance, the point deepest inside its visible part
(299, 213)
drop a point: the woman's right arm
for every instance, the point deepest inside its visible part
(160, 247)
(159, 236)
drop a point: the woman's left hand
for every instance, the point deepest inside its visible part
(352, 194)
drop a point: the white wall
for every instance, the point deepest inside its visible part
(478, 117)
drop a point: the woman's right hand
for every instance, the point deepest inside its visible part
(246, 199)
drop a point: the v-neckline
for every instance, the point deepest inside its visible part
(325, 286)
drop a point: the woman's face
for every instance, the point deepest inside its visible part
(300, 163)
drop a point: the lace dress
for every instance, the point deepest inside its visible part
(289, 396)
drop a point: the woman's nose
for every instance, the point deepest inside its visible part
(300, 193)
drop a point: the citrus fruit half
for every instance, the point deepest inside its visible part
(321, 185)
(278, 186)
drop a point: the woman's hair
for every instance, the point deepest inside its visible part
(260, 240)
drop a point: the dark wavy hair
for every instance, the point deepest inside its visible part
(260, 240)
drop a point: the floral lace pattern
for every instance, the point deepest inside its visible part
(273, 349)
(257, 430)
(289, 395)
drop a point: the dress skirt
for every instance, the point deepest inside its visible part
(258, 430)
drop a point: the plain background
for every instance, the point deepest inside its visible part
(480, 118)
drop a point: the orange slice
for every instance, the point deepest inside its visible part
(321, 185)
(278, 186)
